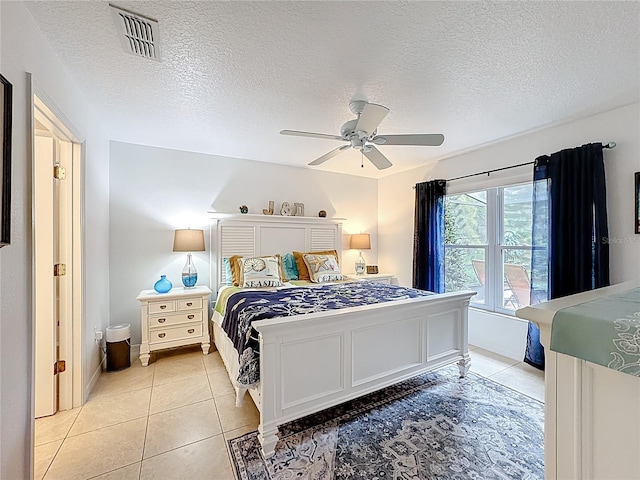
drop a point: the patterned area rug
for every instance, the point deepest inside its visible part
(436, 426)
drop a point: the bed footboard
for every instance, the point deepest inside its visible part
(312, 362)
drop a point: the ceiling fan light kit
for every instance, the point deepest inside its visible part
(361, 132)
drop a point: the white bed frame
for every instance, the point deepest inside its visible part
(315, 361)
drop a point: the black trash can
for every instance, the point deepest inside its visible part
(118, 347)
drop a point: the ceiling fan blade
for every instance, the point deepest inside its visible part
(377, 158)
(370, 118)
(296, 133)
(419, 139)
(329, 155)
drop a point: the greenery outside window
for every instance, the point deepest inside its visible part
(488, 246)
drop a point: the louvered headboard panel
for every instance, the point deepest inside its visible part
(252, 235)
(323, 239)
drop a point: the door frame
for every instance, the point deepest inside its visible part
(71, 388)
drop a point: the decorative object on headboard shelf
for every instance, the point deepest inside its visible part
(299, 209)
(360, 241)
(285, 209)
(244, 209)
(372, 269)
(270, 210)
(187, 240)
(322, 213)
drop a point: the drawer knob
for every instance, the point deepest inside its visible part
(162, 335)
(191, 330)
(189, 304)
(190, 317)
(162, 307)
(162, 320)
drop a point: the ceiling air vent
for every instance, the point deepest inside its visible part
(138, 34)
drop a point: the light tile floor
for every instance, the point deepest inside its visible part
(172, 419)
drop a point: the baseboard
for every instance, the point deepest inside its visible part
(94, 378)
(514, 354)
(134, 353)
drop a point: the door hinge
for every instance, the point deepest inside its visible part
(59, 367)
(59, 172)
(59, 269)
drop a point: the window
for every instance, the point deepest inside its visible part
(488, 246)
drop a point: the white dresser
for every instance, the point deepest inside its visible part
(173, 319)
(592, 419)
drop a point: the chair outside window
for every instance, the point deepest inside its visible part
(478, 268)
(519, 284)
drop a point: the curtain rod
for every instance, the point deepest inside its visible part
(489, 172)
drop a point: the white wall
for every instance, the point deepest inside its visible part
(155, 190)
(396, 196)
(24, 49)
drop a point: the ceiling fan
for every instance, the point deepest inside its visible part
(361, 132)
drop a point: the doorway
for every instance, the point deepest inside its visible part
(57, 260)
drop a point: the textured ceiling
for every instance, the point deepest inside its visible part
(235, 73)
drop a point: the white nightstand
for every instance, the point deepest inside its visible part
(373, 277)
(173, 319)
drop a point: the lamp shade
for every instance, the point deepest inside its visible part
(187, 240)
(361, 241)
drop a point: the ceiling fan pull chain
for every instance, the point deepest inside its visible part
(361, 158)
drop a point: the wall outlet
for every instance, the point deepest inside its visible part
(98, 334)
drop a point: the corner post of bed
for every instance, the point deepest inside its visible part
(465, 362)
(268, 428)
(215, 257)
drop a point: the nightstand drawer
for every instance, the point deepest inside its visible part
(174, 319)
(380, 280)
(161, 307)
(190, 304)
(160, 335)
(373, 277)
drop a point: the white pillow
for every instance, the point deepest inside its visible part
(322, 268)
(259, 272)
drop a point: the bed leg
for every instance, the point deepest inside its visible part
(268, 440)
(463, 365)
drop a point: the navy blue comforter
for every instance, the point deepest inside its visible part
(245, 307)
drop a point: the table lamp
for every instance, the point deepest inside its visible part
(187, 240)
(360, 241)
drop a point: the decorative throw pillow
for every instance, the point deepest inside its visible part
(260, 272)
(303, 272)
(283, 275)
(228, 277)
(235, 269)
(289, 266)
(236, 273)
(322, 268)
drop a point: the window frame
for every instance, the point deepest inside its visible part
(495, 247)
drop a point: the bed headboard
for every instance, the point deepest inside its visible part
(253, 235)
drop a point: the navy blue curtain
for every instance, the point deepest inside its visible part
(570, 244)
(428, 239)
